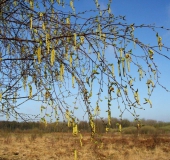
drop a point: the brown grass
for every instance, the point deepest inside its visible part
(61, 146)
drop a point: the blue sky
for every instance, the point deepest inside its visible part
(138, 12)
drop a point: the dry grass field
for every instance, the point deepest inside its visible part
(61, 146)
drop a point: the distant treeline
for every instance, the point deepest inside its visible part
(83, 126)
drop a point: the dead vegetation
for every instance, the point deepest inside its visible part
(61, 146)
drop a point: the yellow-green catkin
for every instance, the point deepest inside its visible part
(52, 57)
(24, 82)
(30, 22)
(82, 39)
(72, 5)
(120, 127)
(92, 124)
(121, 51)
(0, 96)
(75, 154)
(43, 26)
(107, 129)
(73, 80)
(113, 70)
(75, 129)
(58, 1)
(98, 56)
(66, 52)
(71, 60)
(30, 91)
(97, 110)
(7, 116)
(99, 30)
(15, 3)
(41, 15)
(47, 95)
(0, 57)
(68, 22)
(39, 54)
(61, 71)
(68, 117)
(14, 97)
(32, 4)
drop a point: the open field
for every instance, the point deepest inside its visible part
(61, 146)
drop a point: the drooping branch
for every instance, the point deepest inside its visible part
(53, 56)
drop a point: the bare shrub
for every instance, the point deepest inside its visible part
(147, 130)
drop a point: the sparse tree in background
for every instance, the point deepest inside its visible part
(51, 53)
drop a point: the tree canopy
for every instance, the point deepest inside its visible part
(49, 53)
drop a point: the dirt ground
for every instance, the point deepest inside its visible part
(62, 146)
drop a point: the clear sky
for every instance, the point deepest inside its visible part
(138, 12)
